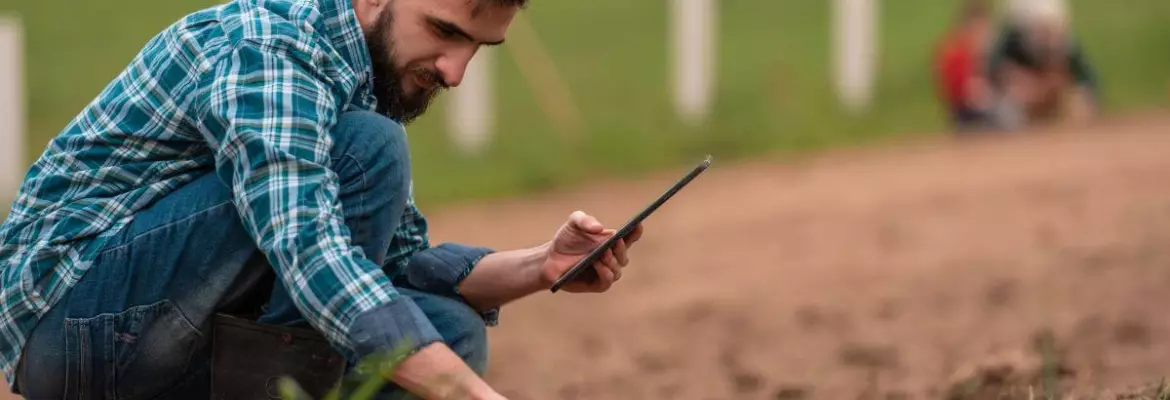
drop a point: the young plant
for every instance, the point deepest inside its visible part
(361, 383)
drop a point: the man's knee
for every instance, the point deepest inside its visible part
(469, 339)
(371, 149)
(462, 328)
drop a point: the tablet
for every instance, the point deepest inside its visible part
(587, 262)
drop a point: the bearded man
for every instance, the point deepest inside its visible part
(257, 148)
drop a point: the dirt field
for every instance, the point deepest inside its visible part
(887, 273)
(877, 274)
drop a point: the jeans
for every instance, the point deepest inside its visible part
(137, 324)
(967, 120)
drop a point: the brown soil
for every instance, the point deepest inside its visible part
(889, 273)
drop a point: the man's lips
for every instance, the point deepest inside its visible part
(424, 84)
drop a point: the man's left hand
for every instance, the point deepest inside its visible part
(574, 240)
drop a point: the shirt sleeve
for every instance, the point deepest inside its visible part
(440, 269)
(268, 116)
(410, 237)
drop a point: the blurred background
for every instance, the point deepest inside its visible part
(833, 251)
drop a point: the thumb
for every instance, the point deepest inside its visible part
(586, 222)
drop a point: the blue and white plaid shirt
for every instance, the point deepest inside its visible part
(251, 88)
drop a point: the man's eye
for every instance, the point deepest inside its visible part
(444, 32)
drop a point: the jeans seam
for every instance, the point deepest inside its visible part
(84, 357)
(196, 214)
(365, 183)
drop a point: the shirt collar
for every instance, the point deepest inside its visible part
(345, 33)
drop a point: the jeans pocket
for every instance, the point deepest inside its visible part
(152, 349)
(136, 353)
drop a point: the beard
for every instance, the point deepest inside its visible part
(393, 101)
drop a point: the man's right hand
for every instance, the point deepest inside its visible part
(436, 372)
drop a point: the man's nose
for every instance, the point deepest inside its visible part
(454, 66)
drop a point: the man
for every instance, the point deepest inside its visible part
(1039, 72)
(959, 76)
(256, 148)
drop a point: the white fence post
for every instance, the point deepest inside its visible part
(694, 49)
(12, 112)
(471, 116)
(854, 32)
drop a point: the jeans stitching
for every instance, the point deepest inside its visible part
(111, 365)
(365, 184)
(84, 368)
(164, 226)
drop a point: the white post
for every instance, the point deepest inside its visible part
(694, 48)
(471, 115)
(12, 114)
(854, 31)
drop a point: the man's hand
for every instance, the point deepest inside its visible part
(574, 240)
(506, 276)
(435, 372)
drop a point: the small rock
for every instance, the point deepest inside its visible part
(729, 356)
(792, 393)
(669, 391)
(1000, 293)
(569, 392)
(698, 312)
(1132, 333)
(652, 363)
(889, 310)
(898, 395)
(810, 317)
(746, 382)
(594, 346)
(868, 356)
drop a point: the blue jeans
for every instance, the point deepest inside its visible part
(967, 120)
(137, 324)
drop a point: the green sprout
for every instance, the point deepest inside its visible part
(362, 383)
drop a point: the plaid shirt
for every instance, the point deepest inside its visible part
(251, 88)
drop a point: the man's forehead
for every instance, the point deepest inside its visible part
(475, 9)
(479, 7)
(485, 20)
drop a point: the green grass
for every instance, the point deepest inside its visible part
(774, 92)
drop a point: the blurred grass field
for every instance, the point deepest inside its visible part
(774, 91)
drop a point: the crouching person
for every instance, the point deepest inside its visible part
(1038, 70)
(256, 148)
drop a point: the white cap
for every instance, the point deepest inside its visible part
(1038, 11)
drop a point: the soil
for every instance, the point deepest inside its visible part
(908, 271)
(890, 273)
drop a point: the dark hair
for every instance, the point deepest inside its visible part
(479, 4)
(973, 9)
(514, 3)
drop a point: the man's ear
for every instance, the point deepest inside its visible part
(368, 11)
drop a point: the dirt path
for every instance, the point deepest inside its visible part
(867, 274)
(880, 274)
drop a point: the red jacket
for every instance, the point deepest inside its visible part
(955, 63)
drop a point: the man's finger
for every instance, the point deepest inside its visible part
(586, 222)
(611, 262)
(634, 235)
(619, 252)
(610, 259)
(605, 234)
(606, 276)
